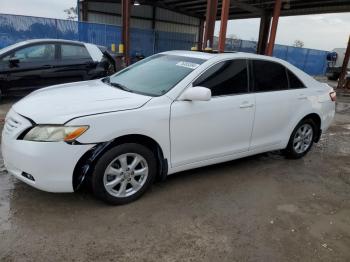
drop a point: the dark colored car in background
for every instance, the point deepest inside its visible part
(335, 62)
(33, 64)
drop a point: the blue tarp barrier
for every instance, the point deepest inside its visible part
(16, 28)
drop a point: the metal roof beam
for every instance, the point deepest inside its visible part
(165, 5)
(189, 3)
(241, 9)
(247, 7)
(234, 6)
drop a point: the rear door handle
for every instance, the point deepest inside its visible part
(46, 66)
(246, 105)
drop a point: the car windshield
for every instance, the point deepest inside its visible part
(156, 75)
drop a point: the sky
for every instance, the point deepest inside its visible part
(324, 32)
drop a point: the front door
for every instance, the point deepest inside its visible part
(204, 130)
(30, 67)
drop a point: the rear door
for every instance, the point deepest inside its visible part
(274, 104)
(29, 67)
(74, 64)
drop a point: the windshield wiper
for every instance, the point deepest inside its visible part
(106, 80)
(120, 86)
(117, 85)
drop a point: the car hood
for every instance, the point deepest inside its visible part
(58, 104)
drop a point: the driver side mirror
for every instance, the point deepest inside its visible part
(197, 93)
(14, 62)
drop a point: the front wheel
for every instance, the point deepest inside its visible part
(124, 173)
(301, 139)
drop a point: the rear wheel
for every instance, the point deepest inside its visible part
(124, 173)
(333, 77)
(301, 139)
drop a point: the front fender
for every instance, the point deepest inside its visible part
(152, 122)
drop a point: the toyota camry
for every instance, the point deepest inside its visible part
(170, 112)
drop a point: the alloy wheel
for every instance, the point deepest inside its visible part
(303, 138)
(125, 175)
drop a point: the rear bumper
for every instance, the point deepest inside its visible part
(328, 109)
(51, 164)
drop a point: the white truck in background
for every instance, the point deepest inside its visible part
(335, 62)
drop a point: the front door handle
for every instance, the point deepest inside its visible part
(46, 66)
(246, 105)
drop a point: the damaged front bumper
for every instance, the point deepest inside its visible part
(46, 166)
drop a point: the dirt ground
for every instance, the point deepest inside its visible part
(261, 208)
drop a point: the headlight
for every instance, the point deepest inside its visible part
(47, 133)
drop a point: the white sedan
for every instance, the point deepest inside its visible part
(171, 112)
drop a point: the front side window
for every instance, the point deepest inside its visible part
(69, 52)
(155, 75)
(269, 76)
(35, 53)
(225, 78)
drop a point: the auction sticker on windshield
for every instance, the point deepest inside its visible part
(187, 64)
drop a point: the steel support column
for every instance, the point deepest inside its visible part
(344, 69)
(225, 10)
(154, 10)
(126, 6)
(210, 18)
(200, 35)
(78, 10)
(264, 31)
(85, 7)
(276, 16)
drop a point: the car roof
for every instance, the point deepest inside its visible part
(194, 54)
(31, 41)
(96, 52)
(226, 55)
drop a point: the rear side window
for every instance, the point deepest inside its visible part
(269, 76)
(69, 52)
(225, 78)
(294, 81)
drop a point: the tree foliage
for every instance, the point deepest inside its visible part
(72, 13)
(298, 43)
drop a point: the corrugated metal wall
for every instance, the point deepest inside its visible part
(141, 17)
(14, 28)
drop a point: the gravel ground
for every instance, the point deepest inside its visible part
(260, 208)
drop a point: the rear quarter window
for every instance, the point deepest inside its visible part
(294, 81)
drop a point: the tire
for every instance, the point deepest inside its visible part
(333, 77)
(116, 167)
(293, 151)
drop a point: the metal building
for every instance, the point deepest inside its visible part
(188, 16)
(144, 15)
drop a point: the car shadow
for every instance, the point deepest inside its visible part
(22, 192)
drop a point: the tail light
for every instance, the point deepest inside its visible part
(333, 96)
